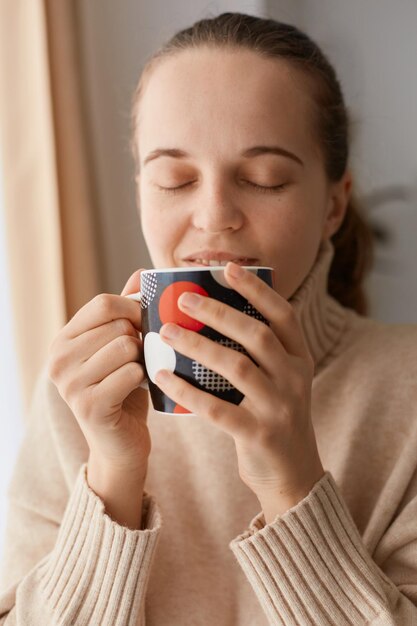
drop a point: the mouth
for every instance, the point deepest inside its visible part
(218, 262)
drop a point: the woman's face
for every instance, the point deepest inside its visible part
(216, 111)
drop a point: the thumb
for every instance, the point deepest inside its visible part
(133, 283)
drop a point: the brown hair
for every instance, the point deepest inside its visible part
(353, 241)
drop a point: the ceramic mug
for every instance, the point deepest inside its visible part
(158, 296)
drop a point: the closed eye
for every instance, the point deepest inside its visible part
(261, 188)
(175, 189)
(264, 189)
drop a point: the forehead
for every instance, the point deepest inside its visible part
(246, 97)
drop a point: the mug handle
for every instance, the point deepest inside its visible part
(137, 297)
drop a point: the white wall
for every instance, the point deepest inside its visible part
(10, 405)
(373, 46)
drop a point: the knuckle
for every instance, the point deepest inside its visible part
(259, 289)
(103, 301)
(57, 364)
(71, 388)
(124, 327)
(213, 411)
(126, 345)
(219, 311)
(241, 365)
(262, 334)
(135, 372)
(195, 340)
(266, 437)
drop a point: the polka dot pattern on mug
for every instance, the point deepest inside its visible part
(149, 284)
(250, 310)
(212, 380)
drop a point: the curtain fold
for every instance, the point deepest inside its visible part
(52, 243)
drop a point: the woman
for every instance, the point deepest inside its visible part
(299, 505)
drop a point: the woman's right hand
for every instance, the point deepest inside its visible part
(96, 362)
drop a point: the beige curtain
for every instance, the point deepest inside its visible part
(52, 247)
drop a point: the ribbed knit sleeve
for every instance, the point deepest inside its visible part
(97, 572)
(310, 567)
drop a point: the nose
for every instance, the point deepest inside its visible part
(216, 210)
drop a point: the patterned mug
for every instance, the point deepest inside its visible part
(160, 290)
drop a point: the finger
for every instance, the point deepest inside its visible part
(256, 337)
(85, 345)
(231, 418)
(116, 387)
(234, 366)
(102, 309)
(133, 283)
(276, 309)
(111, 357)
(106, 307)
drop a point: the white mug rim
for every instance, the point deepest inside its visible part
(201, 269)
(138, 295)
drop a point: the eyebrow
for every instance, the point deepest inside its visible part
(249, 153)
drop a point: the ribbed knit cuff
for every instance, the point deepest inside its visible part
(98, 570)
(309, 566)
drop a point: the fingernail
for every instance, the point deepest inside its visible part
(161, 376)
(190, 300)
(170, 331)
(235, 270)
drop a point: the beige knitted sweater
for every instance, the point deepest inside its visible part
(345, 555)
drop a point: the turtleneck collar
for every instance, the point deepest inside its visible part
(322, 318)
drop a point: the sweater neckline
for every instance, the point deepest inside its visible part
(322, 318)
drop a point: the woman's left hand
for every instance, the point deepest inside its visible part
(272, 428)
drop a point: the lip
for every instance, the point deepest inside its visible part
(220, 255)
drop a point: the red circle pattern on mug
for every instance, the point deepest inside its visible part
(168, 307)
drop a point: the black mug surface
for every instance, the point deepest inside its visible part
(160, 290)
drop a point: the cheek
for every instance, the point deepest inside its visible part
(291, 236)
(292, 221)
(148, 224)
(151, 216)
(305, 214)
(161, 233)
